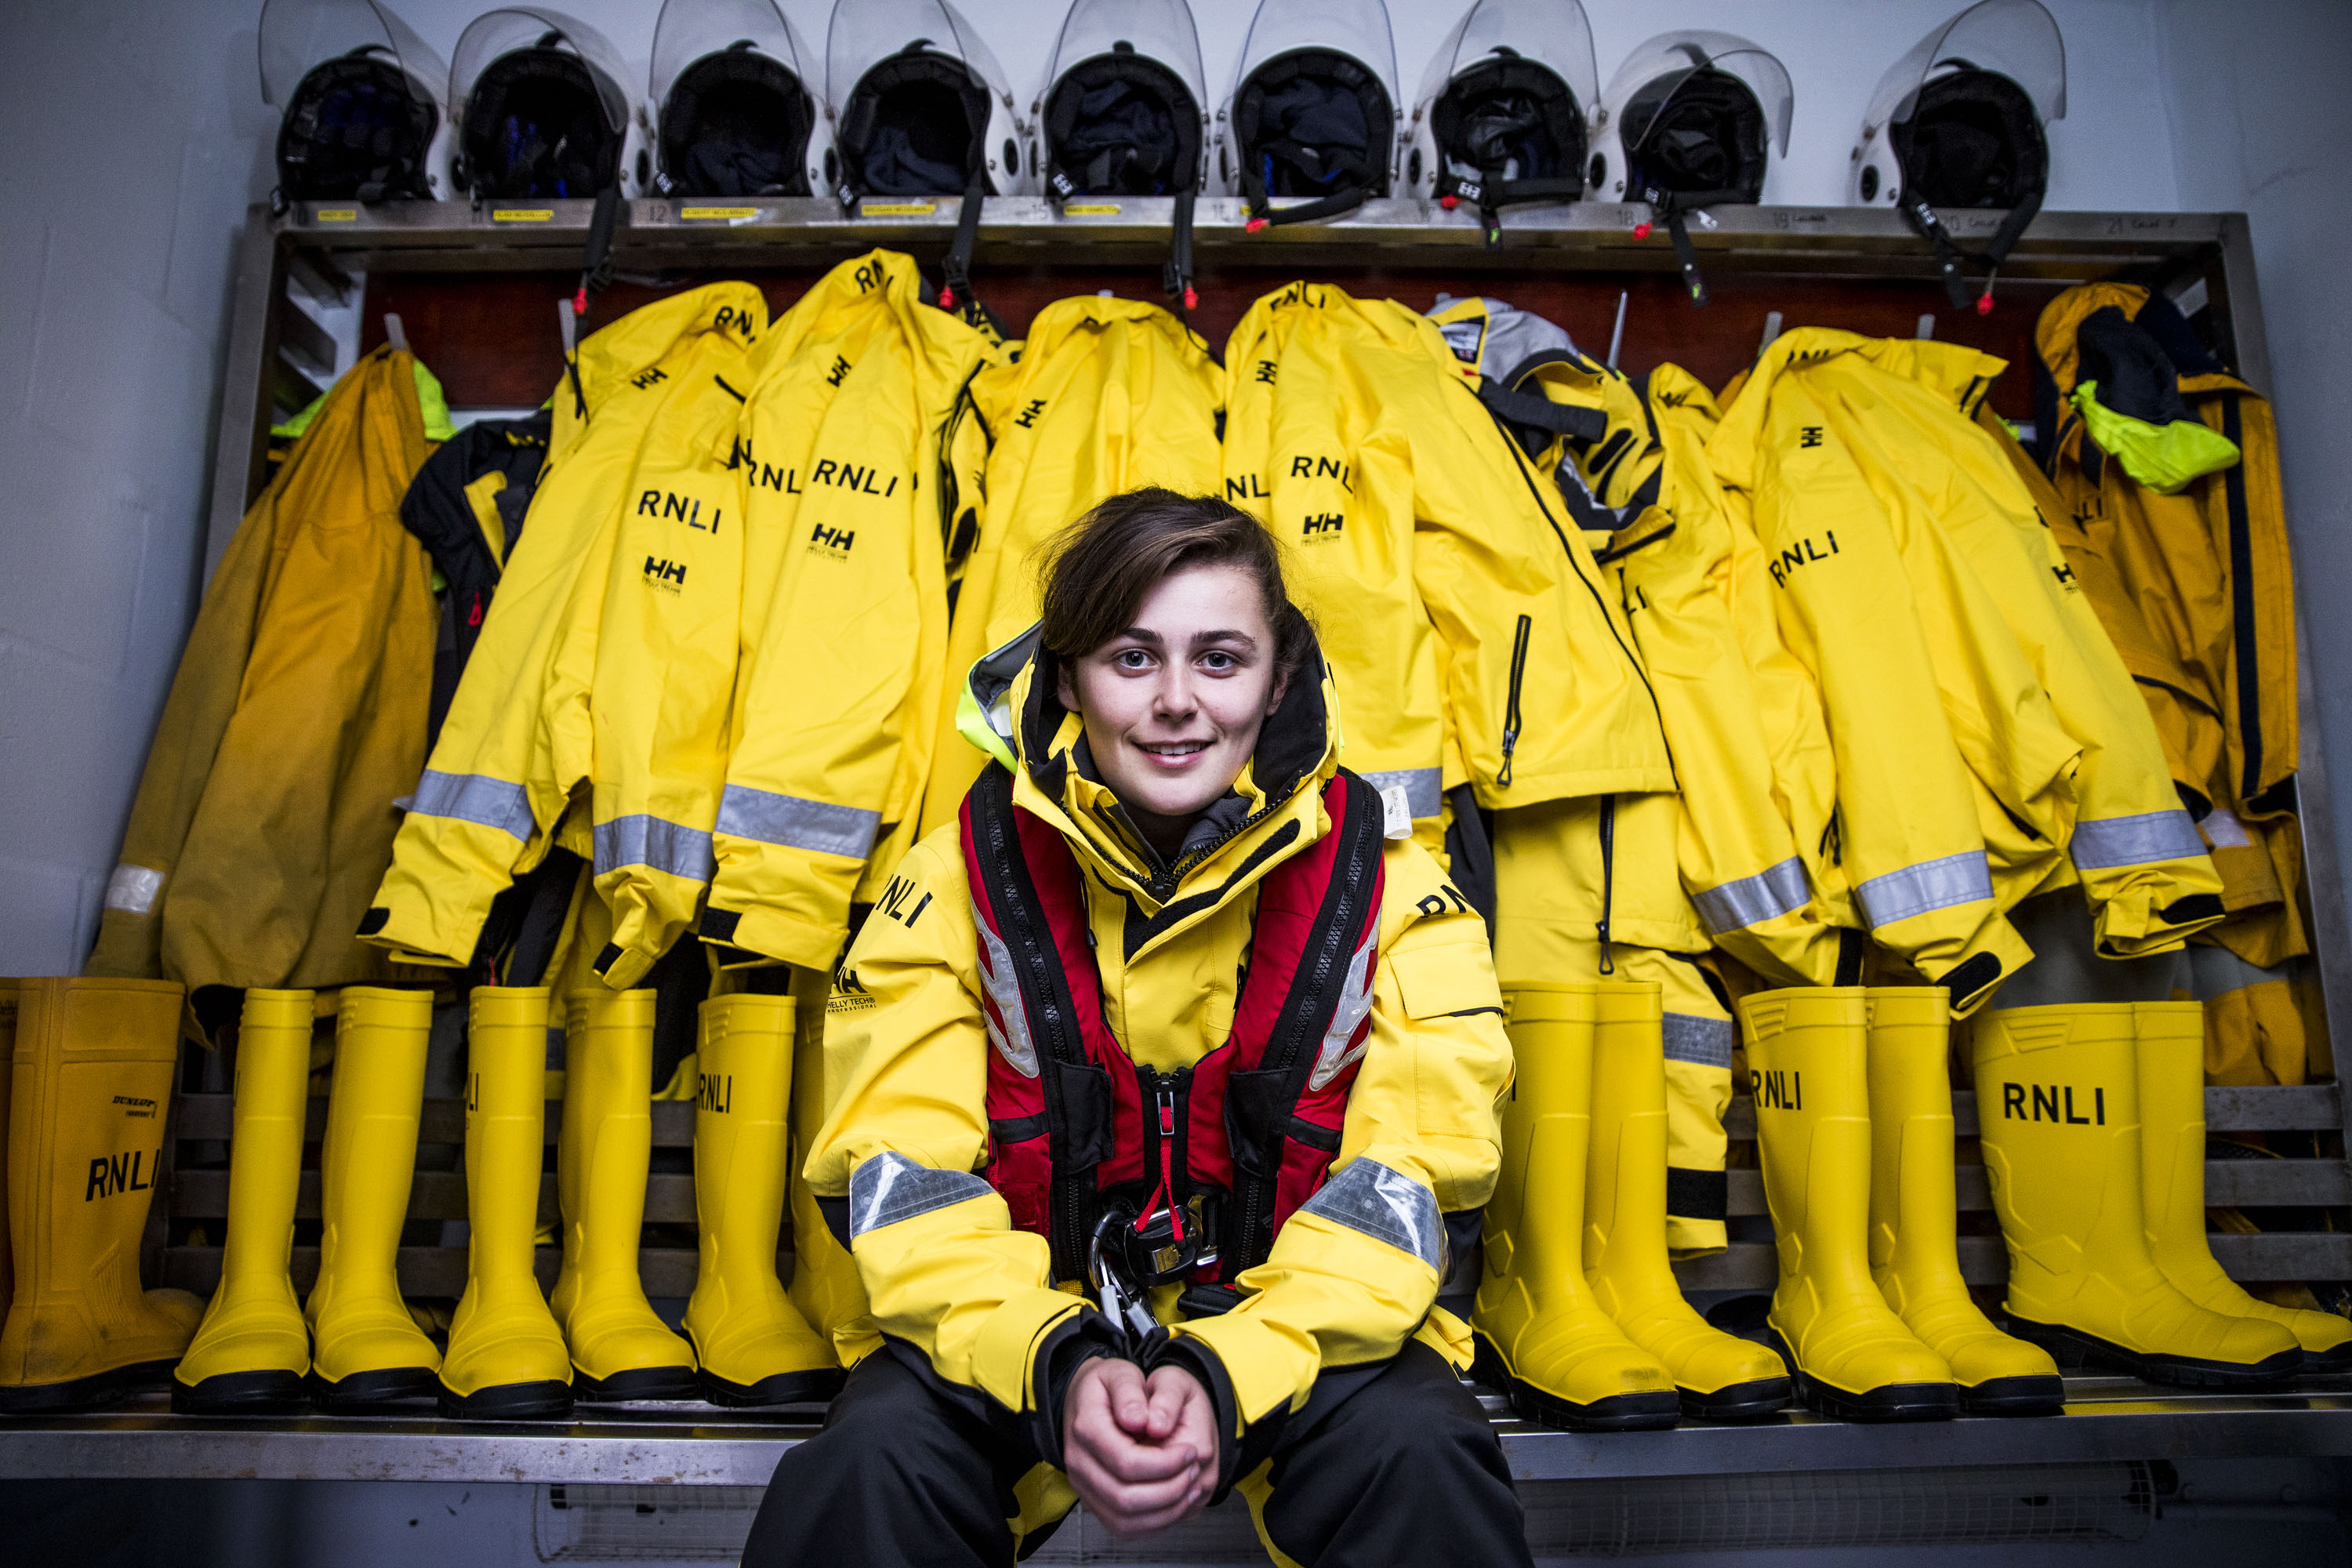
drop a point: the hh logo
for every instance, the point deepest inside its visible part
(671, 506)
(2065, 576)
(1029, 415)
(844, 980)
(1781, 1088)
(119, 1173)
(1322, 525)
(837, 540)
(645, 379)
(895, 903)
(1265, 373)
(1804, 552)
(2051, 1102)
(1246, 487)
(715, 1091)
(1810, 436)
(663, 572)
(838, 373)
(1323, 468)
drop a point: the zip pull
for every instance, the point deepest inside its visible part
(1520, 635)
(1164, 1093)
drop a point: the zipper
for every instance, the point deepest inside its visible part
(1520, 639)
(1607, 876)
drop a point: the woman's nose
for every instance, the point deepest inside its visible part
(1172, 696)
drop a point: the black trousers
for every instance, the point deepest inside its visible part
(1402, 1467)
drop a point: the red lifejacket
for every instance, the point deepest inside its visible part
(1221, 1152)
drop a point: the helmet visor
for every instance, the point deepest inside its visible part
(1357, 28)
(296, 35)
(1654, 74)
(1552, 33)
(2015, 38)
(691, 30)
(864, 33)
(494, 35)
(1160, 31)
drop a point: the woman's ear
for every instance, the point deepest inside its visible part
(1273, 698)
(1065, 690)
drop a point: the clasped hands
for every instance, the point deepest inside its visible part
(1141, 1451)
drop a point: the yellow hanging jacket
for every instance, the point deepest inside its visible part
(521, 732)
(265, 814)
(843, 658)
(1954, 779)
(1457, 604)
(2197, 589)
(1107, 396)
(907, 1041)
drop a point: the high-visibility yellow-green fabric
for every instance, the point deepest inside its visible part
(1459, 606)
(2165, 459)
(2197, 589)
(521, 731)
(844, 659)
(906, 1048)
(2141, 865)
(265, 814)
(1108, 396)
(1917, 695)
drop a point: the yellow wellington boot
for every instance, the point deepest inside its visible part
(2058, 1111)
(506, 1360)
(8, 992)
(1914, 1248)
(619, 1349)
(91, 1070)
(253, 1349)
(1539, 1333)
(2170, 1049)
(826, 1286)
(754, 1348)
(1852, 1357)
(1719, 1377)
(364, 1347)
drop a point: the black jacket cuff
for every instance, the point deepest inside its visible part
(1069, 1346)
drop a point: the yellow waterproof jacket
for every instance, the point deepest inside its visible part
(1459, 606)
(1107, 396)
(844, 607)
(1954, 778)
(907, 1044)
(2197, 589)
(521, 732)
(266, 811)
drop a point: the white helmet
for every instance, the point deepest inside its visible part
(1691, 120)
(736, 110)
(1124, 111)
(359, 97)
(1313, 112)
(1503, 108)
(542, 108)
(1959, 122)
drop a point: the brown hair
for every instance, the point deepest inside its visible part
(1097, 571)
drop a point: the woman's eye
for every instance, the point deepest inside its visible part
(1218, 663)
(1132, 658)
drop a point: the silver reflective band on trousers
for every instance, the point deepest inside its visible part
(1962, 879)
(476, 798)
(1751, 900)
(818, 826)
(1387, 1205)
(1702, 1042)
(669, 847)
(1424, 787)
(889, 1187)
(2101, 844)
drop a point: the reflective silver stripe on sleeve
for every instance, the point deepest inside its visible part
(1355, 1000)
(1752, 900)
(1702, 1042)
(2103, 843)
(817, 825)
(1387, 1205)
(1424, 788)
(471, 797)
(1011, 1042)
(669, 846)
(1962, 879)
(889, 1187)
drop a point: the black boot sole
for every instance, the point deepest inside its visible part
(267, 1393)
(1758, 1400)
(1889, 1401)
(364, 1391)
(1651, 1411)
(2030, 1396)
(542, 1401)
(783, 1388)
(669, 1383)
(2075, 1351)
(96, 1392)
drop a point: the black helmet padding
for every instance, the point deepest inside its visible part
(535, 126)
(1706, 145)
(1312, 122)
(1121, 124)
(736, 123)
(1510, 111)
(1973, 139)
(915, 125)
(356, 130)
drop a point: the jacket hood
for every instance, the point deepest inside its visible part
(1009, 709)
(1963, 375)
(2115, 360)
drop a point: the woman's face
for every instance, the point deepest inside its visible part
(1172, 704)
